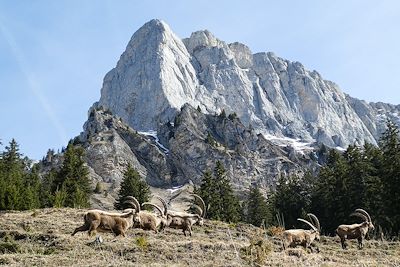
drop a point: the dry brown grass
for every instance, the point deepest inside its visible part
(42, 238)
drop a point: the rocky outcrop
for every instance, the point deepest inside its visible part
(182, 151)
(158, 73)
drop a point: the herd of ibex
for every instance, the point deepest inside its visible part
(134, 216)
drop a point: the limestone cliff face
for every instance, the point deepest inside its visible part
(159, 72)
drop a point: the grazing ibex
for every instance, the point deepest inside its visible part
(145, 219)
(295, 237)
(185, 220)
(96, 220)
(357, 230)
(161, 222)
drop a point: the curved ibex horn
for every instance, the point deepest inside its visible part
(135, 202)
(315, 220)
(362, 216)
(203, 208)
(164, 204)
(364, 213)
(154, 206)
(198, 209)
(307, 222)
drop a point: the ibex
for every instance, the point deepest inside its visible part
(96, 220)
(295, 237)
(144, 219)
(185, 220)
(357, 230)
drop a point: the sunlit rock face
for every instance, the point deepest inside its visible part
(159, 72)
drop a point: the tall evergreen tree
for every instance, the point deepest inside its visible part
(74, 178)
(329, 194)
(19, 183)
(292, 198)
(132, 185)
(218, 196)
(31, 190)
(390, 146)
(257, 212)
(47, 188)
(355, 178)
(374, 190)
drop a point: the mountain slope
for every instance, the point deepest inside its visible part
(184, 152)
(43, 238)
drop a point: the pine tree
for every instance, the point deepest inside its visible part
(74, 178)
(210, 140)
(31, 190)
(329, 195)
(355, 178)
(60, 197)
(218, 196)
(390, 174)
(374, 191)
(132, 185)
(47, 194)
(257, 208)
(292, 198)
(13, 171)
(207, 192)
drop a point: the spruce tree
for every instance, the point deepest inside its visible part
(390, 147)
(60, 197)
(132, 185)
(374, 190)
(329, 195)
(257, 212)
(355, 178)
(292, 198)
(47, 188)
(73, 177)
(31, 190)
(218, 196)
(12, 177)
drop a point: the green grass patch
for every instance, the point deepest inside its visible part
(9, 247)
(142, 242)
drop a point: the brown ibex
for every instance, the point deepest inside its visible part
(185, 220)
(295, 237)
(96, 220)
(143, 219)
(355, 231)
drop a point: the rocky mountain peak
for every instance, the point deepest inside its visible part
(158, 73)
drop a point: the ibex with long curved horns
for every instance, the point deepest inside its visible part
(185, 220)
(355, 231)
(144, 219)
(295, 237)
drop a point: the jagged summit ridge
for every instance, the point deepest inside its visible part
(158, 73)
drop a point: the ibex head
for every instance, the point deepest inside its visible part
(134, 203)
(314, 224)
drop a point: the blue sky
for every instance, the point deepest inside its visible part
(54, 54)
